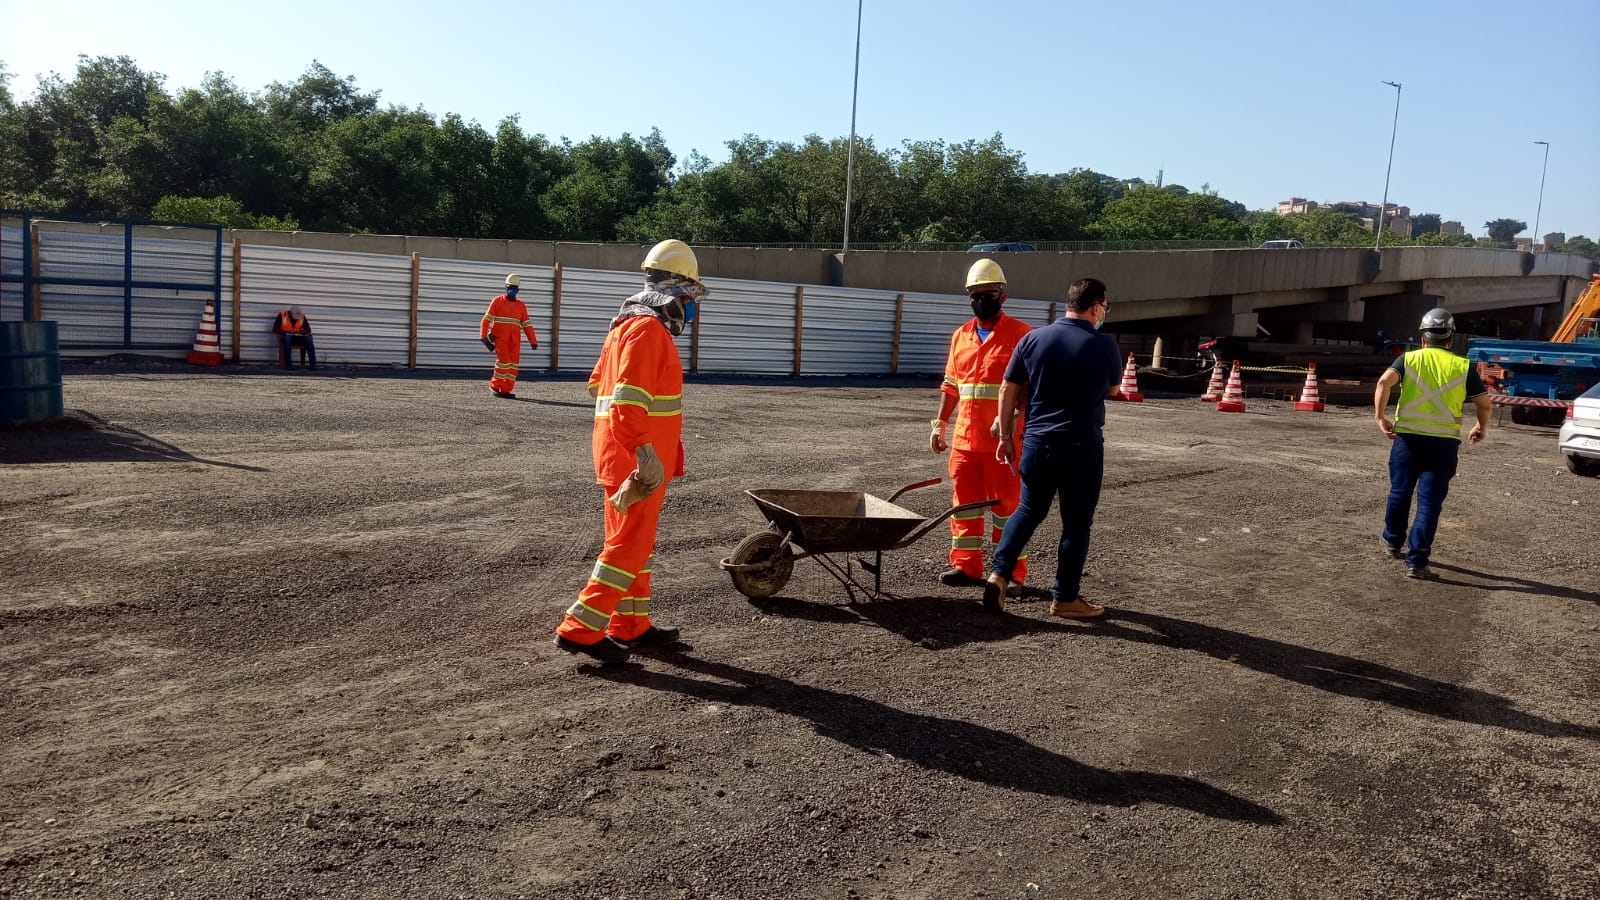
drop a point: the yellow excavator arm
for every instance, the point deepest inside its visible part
(1587, 307)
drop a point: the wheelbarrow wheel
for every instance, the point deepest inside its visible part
(773, 562)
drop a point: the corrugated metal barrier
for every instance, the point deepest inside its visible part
(360, 310)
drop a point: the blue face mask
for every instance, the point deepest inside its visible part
(511, 292)
(689, 309)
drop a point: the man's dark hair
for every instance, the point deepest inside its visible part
(1085, 293)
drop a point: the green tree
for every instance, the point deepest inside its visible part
(1439, 239)
(1502, 231)
(1578, 245)
(1425, 223)
(609, 180)
(217, 211)
(1150, 213)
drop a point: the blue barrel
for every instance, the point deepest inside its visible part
(30, 372)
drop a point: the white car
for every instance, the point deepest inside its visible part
(1282, 245)
(1580, 434)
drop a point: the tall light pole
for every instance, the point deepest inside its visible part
(1378, 245)
(1540, 210)
(850, 157)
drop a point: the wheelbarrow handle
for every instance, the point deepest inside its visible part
(911, 487)
(934, 522)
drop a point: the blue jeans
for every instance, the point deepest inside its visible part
(1424, 465)
(1073, 469)
(287, 341)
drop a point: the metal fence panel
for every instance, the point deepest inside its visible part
(847, 331)
(925, 331)
(359, 304)
(589, 301)
(747, 327)
(10, 274)
(451, 297)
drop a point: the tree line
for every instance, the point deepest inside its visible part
(319, 153)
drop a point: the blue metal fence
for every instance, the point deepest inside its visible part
(63, 276)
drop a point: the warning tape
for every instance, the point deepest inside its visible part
(1507, 400)
(1291, 370)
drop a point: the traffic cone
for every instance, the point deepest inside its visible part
(1310, 398)
(207, 347)
(1233, 396)
(1214, 389)
(1129, 390)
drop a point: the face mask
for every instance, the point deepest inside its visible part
(689, 309)
(511, 292)
(986, 307)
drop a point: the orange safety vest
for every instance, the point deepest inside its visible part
(288, 324)
(638, 389)
(506, 316)
(974, 373)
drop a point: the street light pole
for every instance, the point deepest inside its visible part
(1395, 129)
(1540, 211)
(850, 158)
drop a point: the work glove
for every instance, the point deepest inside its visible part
(488, 342)
(936, 441)
(649, 468)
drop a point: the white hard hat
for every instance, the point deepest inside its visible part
(513, 280)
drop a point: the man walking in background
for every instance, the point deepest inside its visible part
(638, 448)
(979, 353)
(1065, 372)
(504, 323)
(1434, 385)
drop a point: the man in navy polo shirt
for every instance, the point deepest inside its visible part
(1066, 370)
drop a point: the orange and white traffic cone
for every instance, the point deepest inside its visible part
(207, 346)
(1214, 389)
(1233, 396)
(1129, 390)
(1310, 397)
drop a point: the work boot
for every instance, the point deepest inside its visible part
(505, 395)
(606, 650)
(954, 577)
(1077, 608)
(1393, 551)
(994, 593)
(655, 636)
(1421, 573)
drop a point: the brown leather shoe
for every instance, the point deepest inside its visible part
(994, 593)
(1076, 609)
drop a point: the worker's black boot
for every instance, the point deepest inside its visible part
(954, 577)
(605, 650)
(655, 637)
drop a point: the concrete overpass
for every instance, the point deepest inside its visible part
(1294, 294)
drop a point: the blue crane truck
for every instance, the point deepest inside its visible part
(1540, 379)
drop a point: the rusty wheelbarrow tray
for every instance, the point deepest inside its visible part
(816, 524)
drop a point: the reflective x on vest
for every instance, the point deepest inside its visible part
(1431, 395)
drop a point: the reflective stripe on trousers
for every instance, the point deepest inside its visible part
(616, 598)
(975, 477)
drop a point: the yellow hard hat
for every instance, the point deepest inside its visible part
(985, 271)
(673, 256)
(513, 280)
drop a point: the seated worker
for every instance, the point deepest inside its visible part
(293, 328)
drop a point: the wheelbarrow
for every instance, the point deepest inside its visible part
(821, 524)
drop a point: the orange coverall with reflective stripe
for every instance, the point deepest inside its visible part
(973, 373)
(507, 319)
(638, 391)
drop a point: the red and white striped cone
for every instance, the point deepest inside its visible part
(1310, 397)
(207, 346)
(1214, 389)
(1129, 390)
(1233, 396)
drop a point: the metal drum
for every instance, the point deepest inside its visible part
(30, 372)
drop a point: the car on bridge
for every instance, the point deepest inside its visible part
(1282, 245)
(1001, 247)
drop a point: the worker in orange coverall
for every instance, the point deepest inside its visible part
(504, 323)
(638, 448)
(973, 373)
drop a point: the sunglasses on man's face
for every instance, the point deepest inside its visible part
(985, 295)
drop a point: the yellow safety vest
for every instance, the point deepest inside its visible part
(1432, 392)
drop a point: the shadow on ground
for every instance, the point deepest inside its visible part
(964, 749)
(81, 437)
(1515, 585)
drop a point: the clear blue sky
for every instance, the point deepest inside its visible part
(1261, 100)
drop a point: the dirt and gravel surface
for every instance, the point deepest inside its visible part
(289, 636)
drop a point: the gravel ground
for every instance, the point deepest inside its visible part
(289, 636)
